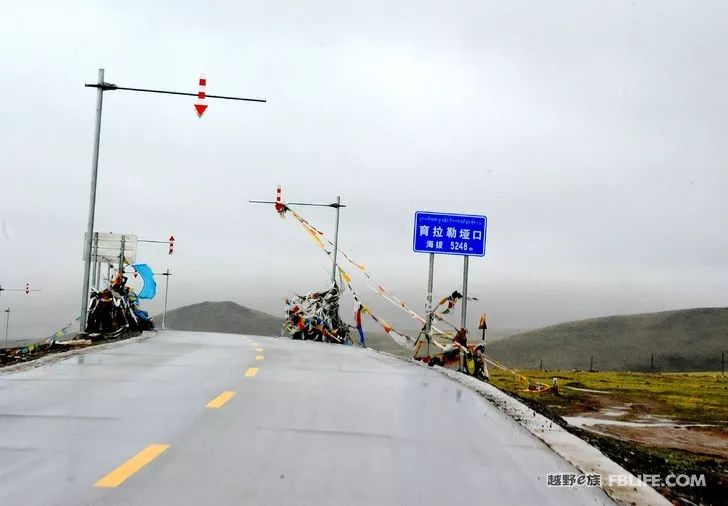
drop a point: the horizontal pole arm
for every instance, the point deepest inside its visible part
(113, 87)
(156, 242)
(295, 203)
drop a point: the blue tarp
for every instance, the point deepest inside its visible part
(150, 285)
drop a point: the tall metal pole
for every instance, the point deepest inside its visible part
(464, 314)
(336, 240)
(92, 202)
(428, 308)
(166, 293)
(7, 326)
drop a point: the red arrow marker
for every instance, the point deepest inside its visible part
(200, 106)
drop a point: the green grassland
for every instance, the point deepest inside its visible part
(685, 397)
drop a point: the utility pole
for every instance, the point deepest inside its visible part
(102, 86)
(7, 326)
(336, 205)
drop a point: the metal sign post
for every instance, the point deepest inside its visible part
(98, 275)
(166, 274)
(121, 255)
(449, 234)
(464, 314)
(94, 273)
(102, 86)
(7, 326)
(428, 304)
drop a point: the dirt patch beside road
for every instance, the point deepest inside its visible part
(708, 441)
(651, 424)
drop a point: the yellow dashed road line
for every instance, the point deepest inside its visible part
(131, 466)
(251, 372)
(260, 350)
(220, 400)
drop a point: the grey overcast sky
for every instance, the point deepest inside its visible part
(591, 133)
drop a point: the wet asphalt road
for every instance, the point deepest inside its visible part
(287, 423)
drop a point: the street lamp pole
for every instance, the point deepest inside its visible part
(337, 205)
(336, 240)
(92, 201)
(102, 86)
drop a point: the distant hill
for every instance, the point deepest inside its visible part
(683, 340)
(226, 317)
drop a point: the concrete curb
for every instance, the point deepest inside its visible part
(57, 357)
(576, 451)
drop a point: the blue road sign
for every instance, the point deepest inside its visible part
(449, 234)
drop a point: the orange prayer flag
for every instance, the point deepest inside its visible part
(483, 323)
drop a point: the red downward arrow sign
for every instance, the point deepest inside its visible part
(200, 108)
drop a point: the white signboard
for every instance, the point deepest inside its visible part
(109, 248)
